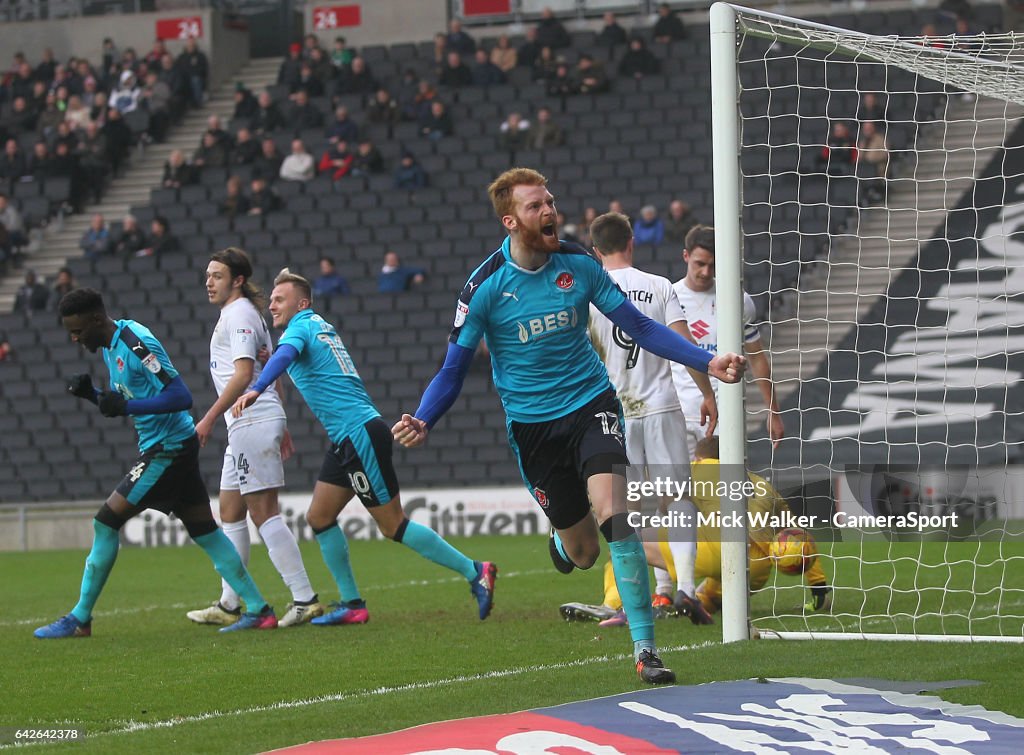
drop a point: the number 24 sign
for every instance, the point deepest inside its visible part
(336, 16)
(179, 28)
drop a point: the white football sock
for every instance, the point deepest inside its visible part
(238, 534)
(663, 582)
(682, 542)
(284, 552)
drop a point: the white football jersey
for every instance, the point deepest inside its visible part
(642, 380)
(702, 319)
(239, 334)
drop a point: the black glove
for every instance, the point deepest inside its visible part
(81, 385)
(113, 404)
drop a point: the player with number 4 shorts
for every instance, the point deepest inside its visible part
(253, 468)
(359, 463)
(530, 300)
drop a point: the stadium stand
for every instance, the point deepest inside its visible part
(646, 141)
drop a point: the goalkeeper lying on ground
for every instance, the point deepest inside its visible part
(708, 566)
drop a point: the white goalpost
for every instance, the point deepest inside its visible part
(869, 194)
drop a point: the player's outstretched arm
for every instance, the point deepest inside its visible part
(284, 355)
(175, 397)
(660, 340)
(439, 397)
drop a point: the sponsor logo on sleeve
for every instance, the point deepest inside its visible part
(151, 363)
(461, 310)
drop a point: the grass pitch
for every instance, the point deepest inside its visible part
(150, 681)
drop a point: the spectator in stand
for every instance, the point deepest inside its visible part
(93, 159)
(6, 352)
(268, 164)
(235, 203)
(545, 65)
(268, 117)
(95, 242)
(503, 54)
(299, 165)
(262, 199)
(40, 162)
(160, 241)
(330, 282)
(872, 163)
(18, 118)
(212, 153)
(616, 206)
(409, 174)
(126, 97)
(175, 81)
(529, 51)
(454, 73)
(32, 297)
(310, 42)
(64, 284)
(246, 105)
(611, 35)
(47, 120)
(513, 133)
(544, 132)
(550, 31)
(459, 41)
(246, 150)
(871, 108)
(357, 79)
(583, 229)
(343, 128)
(46, 68)
(177, 172)
(425, 97)
(303, 115)
(196, 70)
(119, 140)
(639, 61)
(216, 129)
(440, 49)
(12, 221)
(678, 223)
(13, 163)
(77, 114)
(368, 159)
(839, 155)
(408, 90)
(669, 27)
(155, 54)
(383, 109)
(438, 122)
(132, 239)
(485, 73)
(23, 82)
(336, 160)
(590, 76)
(322, 68)
(395, 277)
(291, 67)
(341, 55)
(649, 230)
(562, 83)
(156, 99)
(308, 82)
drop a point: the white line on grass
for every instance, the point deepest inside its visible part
(177, 606)
(132, 727)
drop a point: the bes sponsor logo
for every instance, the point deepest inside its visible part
(539, 327)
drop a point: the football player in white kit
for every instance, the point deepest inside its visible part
(696, 292)
(258, 442)
(655, 428)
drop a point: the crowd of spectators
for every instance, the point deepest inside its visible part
(77, 119)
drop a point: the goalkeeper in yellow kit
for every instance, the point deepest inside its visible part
(707, 569)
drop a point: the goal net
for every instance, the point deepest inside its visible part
(874, 187)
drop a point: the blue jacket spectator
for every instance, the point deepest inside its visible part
(395, 278)
(649, 229)
(409, 174)
(330, 283)
(458, 41)
(343, 129)
(96, 239)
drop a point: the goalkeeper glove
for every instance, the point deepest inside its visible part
(113, 404)
(81, 385)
